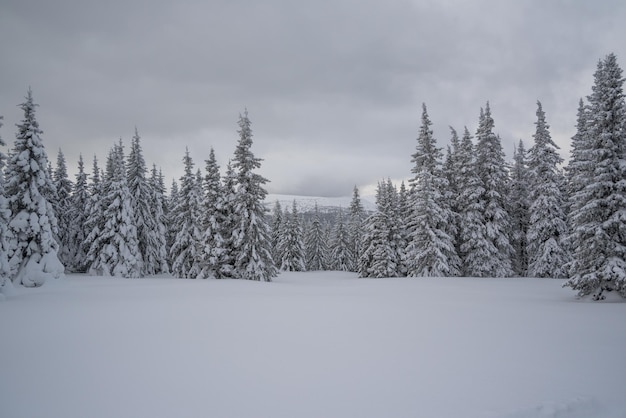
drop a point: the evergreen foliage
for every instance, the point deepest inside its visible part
(63, 209)
(291, 245)
(316, 248)
(598, 202)
(519, 203)
(340, 253)
(79, 214)
(251, 237)
(547, 227)
(33, 250)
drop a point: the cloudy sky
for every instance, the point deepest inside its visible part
(333, 88)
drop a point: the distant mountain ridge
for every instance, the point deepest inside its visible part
(324, 204)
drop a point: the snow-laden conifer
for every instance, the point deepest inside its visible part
(340, 253)
(291, 242)
(78, 231)
(211, 241)
(356, 221)
(547, 226)
(63, 209)
(33, 254)
(158, 258)
(474, 245)
(5, 215)
(492, 170)
(518, 208)
(251, 236)
(598, 215)
(186, 221)
(316, 247)
(114, 251)
(228, 220)
(431, 249)
(275, 232)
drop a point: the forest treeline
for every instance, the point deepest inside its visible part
(465, 212)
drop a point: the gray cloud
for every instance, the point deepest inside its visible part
(334, 89)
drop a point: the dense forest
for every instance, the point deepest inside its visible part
(464, 212)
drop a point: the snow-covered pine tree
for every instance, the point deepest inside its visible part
(598, 216)
(186, 221)
(451, 172)
(229, 221)
(212, 241)
(340, 254)
(33, 254)
(5, 215)
(356, 221)
(115, 250)
(291, 244)
(141, 202)
(316, 248)
(79, 213)
(519, 202)
(95, 214)
(380, 256)
(170, 204)
(275, 232)
(251, 237)
(475, 246)
(431, 249)
(491, 168)
(547, 226)
(63, 209)
(158, 210)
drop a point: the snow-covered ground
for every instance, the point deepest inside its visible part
(310, 345)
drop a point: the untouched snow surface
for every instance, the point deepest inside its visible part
(310, 345)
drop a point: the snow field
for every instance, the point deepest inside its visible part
(316, 344)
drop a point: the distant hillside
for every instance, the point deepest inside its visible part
(326, 205)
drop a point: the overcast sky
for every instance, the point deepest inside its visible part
(333, 88)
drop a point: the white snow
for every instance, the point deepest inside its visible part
(316, 344)
(325, 204)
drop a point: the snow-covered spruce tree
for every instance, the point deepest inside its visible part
(229, 221)
(115, 250)
(251, 236)
(316, 248)
(547, 226)
(95, 213)
(275, 232)
(212, 241)
(431, 250)
(403, 211)
(33, 254)
(186, 221)
(451, 171)
(158, 210)
(340, 253)
(170, 204)
(380, 256)
(141, 203)
(79, 213)
(355, 226)
(5, 214)
(63, 209)
(474, 245)
(519, 202)
(598, 217)
(291, 243)
(492, 170)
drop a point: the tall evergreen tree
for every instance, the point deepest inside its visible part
(251, 237)
(291, 243)
(171, 203)
(63, 208)
(79, 211)
(340, 253)
(276, 231)
(33, 254)
(355, 226)
(519, 203)
(186, 221)
(212, 241)
(547, 229)
(598, 218)
(5, 215)
(228, 220)
(158, 259)
(95, 213)
(491, 168)
(316, 248)
(431, 250)
(115, 251)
